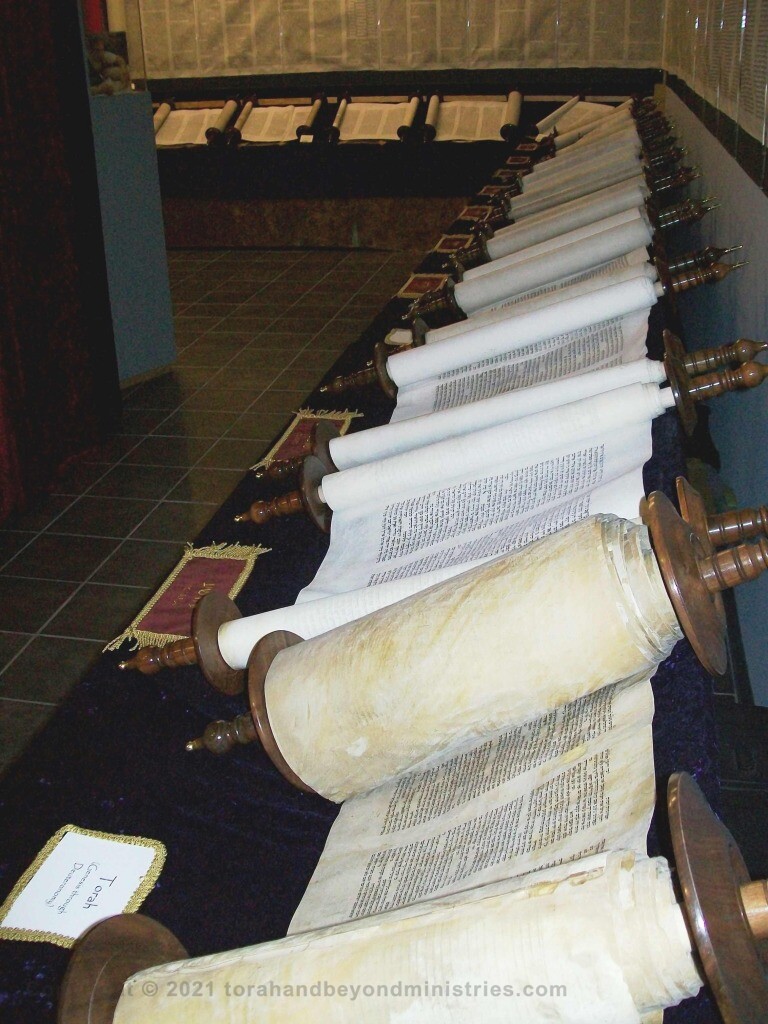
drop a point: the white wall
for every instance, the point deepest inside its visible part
(721, 313)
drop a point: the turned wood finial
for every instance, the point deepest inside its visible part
(682, 176)
(323, 432)
(732, 566)
(700, 258)
(701, 275)
(357, 379)
(688, 390)
(279, 470)
(210, 613)
(703, 360)
(717, 529)
(261, 512)
(220, 737)
(375, 372)
(686, 212)
(708, 385)
(307, 498)
(665, 157)
(439, 308)
(150, 660)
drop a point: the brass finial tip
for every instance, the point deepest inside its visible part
(193, 745)
(122, 664)
(323, 388)
(732, 248)
(242, 518)
(741, 263)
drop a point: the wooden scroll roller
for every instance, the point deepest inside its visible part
(688, 390)
(323, 432)
(718, 529)
(234, 134)
(216, 134)
(316, 703)
(201, 648)
(306, 498)
(700, 259)
(716, 913)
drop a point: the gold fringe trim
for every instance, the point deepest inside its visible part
(145, 887)
(306, 414)
(143, 638)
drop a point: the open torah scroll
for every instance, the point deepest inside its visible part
(509, 876)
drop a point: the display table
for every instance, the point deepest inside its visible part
(242, 843)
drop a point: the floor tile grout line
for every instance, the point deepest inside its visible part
(282, 270)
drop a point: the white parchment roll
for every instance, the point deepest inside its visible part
(623, 156)
(160, 116)
(488, 289)
(406, 435)
(483, 450)
(513, 108)
(573, 158)
(493, 647)
(503, 331)
(312, 617)
(589, 132)
(551, 245)
(597, 941)
(433, 111)
(629, 195)
(549, 122)
(522, 206)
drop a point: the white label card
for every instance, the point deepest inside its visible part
(80, 877)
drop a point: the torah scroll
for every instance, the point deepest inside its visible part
(601, 942)
(489, 637)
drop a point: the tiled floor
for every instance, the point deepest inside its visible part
(255, 330)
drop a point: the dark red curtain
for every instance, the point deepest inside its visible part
(59, 393)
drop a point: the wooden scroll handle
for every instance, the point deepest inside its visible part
(694, 575)
(700, 258)
(202, 648)
(439, 308)
(666, 157)
(473, 254)
(705, 359)
(306, 499)
(683, 176)
(717, 529)
(375, 372)
(688, 390)
(104, 958)
(693, 278)
(726, 912)
(653, 146)
(686, 212)
(497, 215)
(323, 432)
(221, 737)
